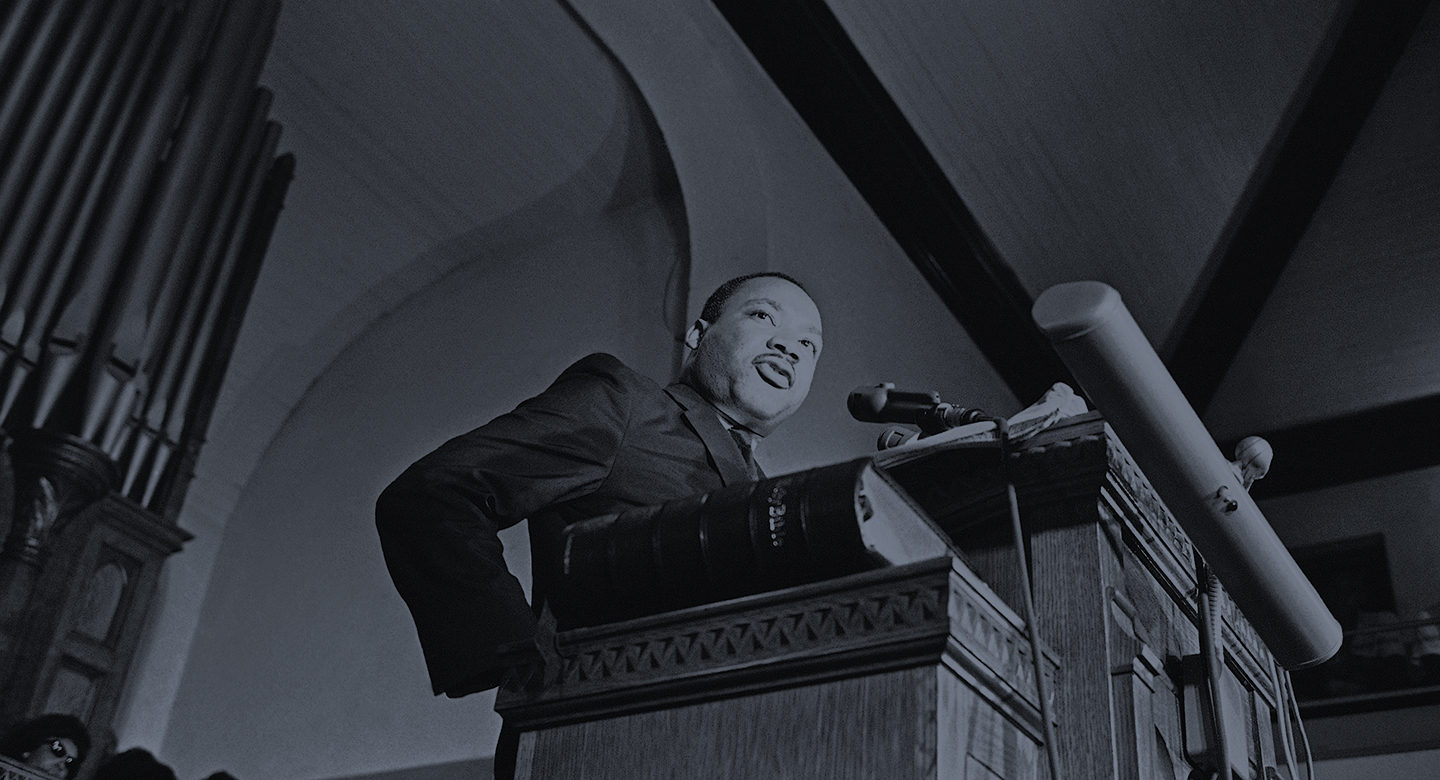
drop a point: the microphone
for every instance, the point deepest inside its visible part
(883, 403)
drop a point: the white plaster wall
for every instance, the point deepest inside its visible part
(1401, 506)
(381, 206)
(305, 663)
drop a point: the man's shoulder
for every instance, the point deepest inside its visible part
(597, 390)
(603, 379)
(605, 367)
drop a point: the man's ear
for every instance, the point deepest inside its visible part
(692, 336)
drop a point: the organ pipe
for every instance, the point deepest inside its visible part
(149, 417)
(136, 151)
(17, 17)
(181, 190)
(107, 139)
(62, 153)
(123, 206)
(165, 259)
(39, 131)
(37, 52)
(210, 353)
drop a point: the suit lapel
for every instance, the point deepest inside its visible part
(703, 418)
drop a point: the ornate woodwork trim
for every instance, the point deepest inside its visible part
(1157, 539)
(143, 525)
(10, 769)
(1247, 650)
(1152, 522)
(931, 612)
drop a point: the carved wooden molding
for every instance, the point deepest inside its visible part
(10, 769)
(56, 476)
(143, 525)
(1248, 650)
(1162, 545)
(1152, 520)
(930, 612)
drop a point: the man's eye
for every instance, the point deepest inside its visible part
(808, 344)
(763, 315)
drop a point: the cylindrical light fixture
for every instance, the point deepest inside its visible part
(1099, 341)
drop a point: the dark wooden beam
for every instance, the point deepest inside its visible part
(806, 52)
(1285, 190)
(1375, 443)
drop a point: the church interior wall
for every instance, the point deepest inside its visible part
(396, 310)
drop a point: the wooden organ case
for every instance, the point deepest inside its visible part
(138, 194)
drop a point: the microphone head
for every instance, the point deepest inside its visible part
(883, 403)
(867, 401)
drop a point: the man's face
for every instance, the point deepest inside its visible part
(755, 362)
(53, 756)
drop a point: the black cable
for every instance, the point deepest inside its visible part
(1212, 649)
(1042, 688)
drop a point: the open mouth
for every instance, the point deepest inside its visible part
(775, 371)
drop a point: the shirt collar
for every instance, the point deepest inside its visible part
(751, 437)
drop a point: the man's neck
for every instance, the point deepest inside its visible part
(726, 418)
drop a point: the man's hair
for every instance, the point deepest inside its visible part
(716, 302)
(34, 734)
(135, 764)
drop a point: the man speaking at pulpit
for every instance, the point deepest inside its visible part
(601, 439)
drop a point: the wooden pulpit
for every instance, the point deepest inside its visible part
(924, 670)
(908, 671)
(1119, 600)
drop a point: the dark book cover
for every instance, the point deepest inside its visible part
(743, 539)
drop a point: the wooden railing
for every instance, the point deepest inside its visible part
(1385, 666)
(10, 769)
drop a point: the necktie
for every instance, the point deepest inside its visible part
(751, 470)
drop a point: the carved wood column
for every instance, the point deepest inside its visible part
(56, 476)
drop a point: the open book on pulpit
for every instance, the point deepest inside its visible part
(951, 474)
(742, 539)
(946, 474)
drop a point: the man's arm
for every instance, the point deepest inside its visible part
(438, 521)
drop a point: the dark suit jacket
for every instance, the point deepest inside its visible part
(601, 439)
